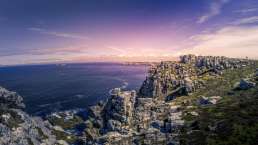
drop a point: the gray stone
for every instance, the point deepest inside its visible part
(245, 84)
(23, 129)
(10, 99)
(114, 125)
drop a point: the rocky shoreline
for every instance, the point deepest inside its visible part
(151, 116)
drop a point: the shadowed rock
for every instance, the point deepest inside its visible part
(10, 99)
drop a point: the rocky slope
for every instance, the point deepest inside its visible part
(171, 91)
(186, 102)
(170, 79)
(17, 127)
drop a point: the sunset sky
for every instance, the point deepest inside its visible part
(46, 31)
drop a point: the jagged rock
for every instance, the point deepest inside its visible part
(151, 117)
(95, 111)
(114, 125)
(10, 99)
(216, 62)
(17, 127)
(118, 110)
(142, 113)
(169, 80)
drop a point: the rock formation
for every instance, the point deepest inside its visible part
(17, 127)
(117, 112)
(10, 99)
(171, 79)
(150, 117)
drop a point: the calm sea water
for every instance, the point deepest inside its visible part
(48, 88)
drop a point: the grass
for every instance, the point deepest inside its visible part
(13, 121)
(233, 121)
(64, 136)
(65, 124)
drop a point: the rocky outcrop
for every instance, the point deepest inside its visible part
(172, 79)
(214, 62)
(17, 127)
(168, 79)
(150, 117)
(10, 99)
(117, 112)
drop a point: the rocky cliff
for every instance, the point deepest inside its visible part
(171, 79)
(154, 116)
(186, 102)
(17, 127)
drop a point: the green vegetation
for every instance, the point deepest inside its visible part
(233, 121)
(41, 133)
(65, 124)
(13, 121)
(60, 135)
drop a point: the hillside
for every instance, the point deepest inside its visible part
(199, 100)
(187, 102)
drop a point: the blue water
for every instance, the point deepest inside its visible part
(49, 88)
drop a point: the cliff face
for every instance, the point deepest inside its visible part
(156, 114)
(117, 112)
(17, 127)
(152, 116)
(171, 79)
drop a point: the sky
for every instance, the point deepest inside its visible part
(49, 31)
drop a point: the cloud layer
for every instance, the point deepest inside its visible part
(248, 20)
(215, 9)
(233, 41)
(248, 10)
(57, 34)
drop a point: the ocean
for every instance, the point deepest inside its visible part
(50, 88)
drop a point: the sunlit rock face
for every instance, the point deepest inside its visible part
(17, 127)
(168, 79)
(118, 110)
(171, 79)
(215, 62)
(151, 116)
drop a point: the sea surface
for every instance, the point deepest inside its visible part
(50, 88)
